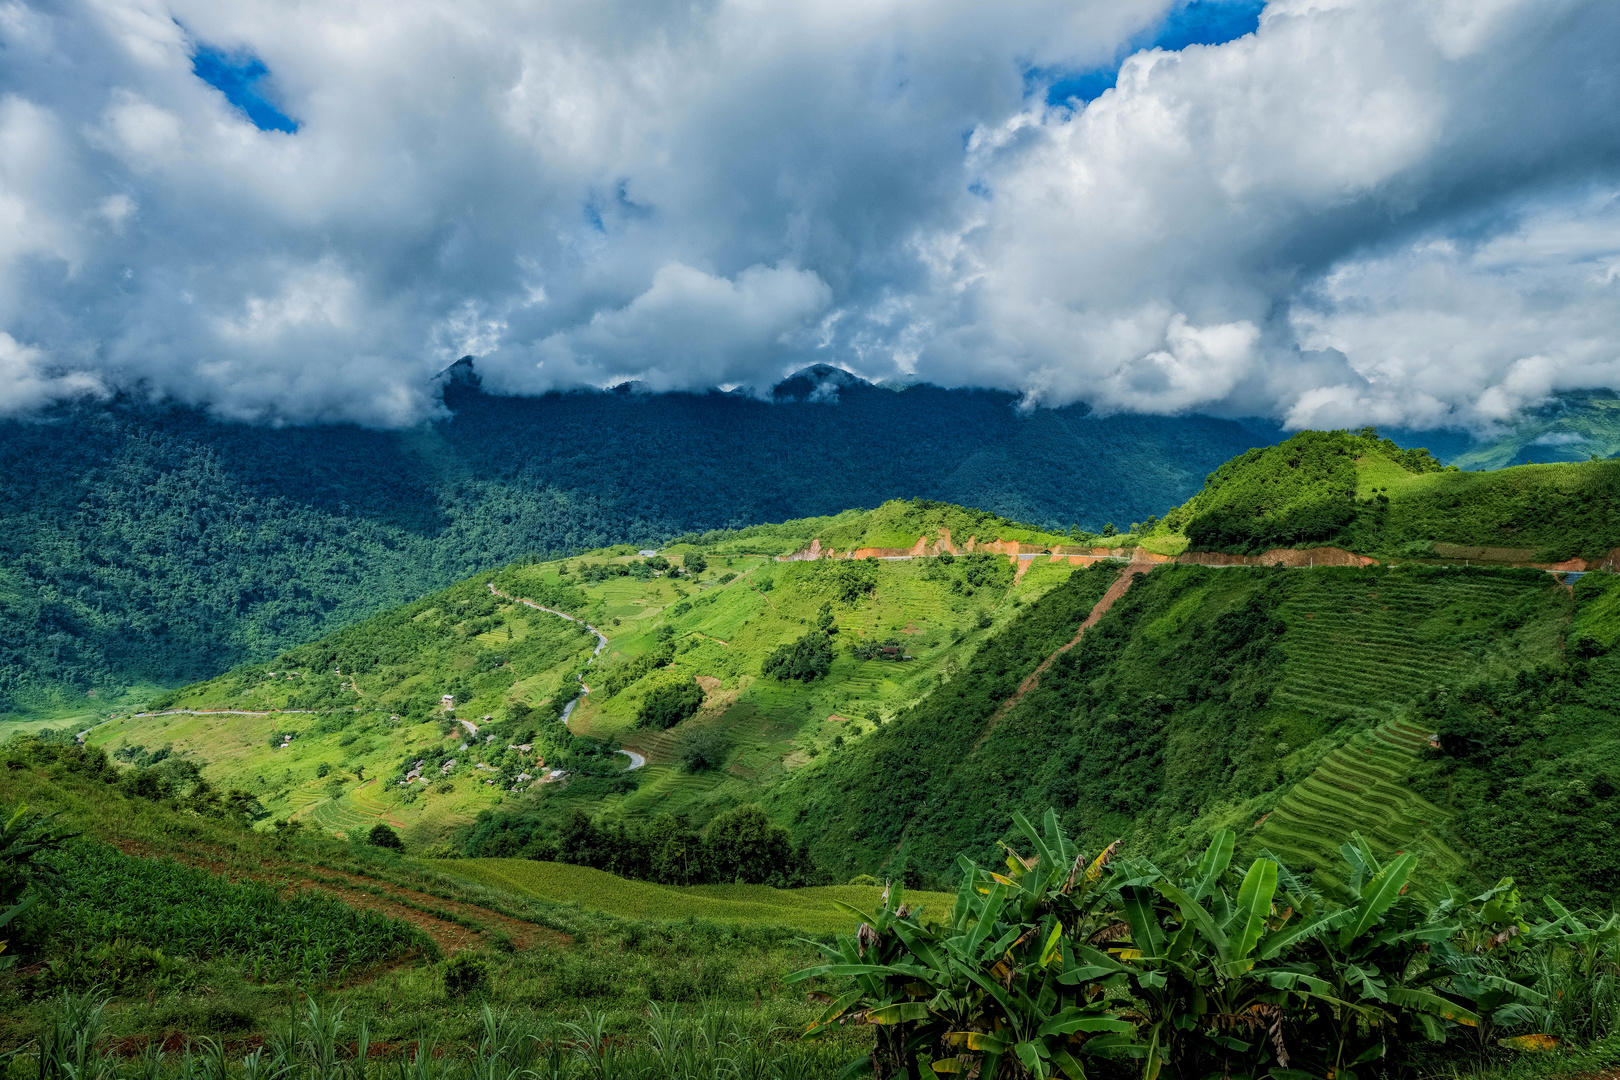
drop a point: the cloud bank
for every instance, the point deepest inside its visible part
(1391, 211)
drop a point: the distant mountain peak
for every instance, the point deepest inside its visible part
(460, 373)
(818, 382)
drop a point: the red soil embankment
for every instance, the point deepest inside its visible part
(1525, 557)
(945, 544)
(1293, 557)
(1333, 556)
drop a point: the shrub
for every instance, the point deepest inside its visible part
(704, 748)
(670, 701)
(466, 974)
(384, 837)
(804, 660)
(1206, 970)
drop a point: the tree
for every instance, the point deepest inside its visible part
(243, 807)
(744, 845)
(671, 700)
(384, 837)
(694, 563)
(807, 659)
(703, 748)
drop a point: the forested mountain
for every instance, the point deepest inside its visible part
(145, 544)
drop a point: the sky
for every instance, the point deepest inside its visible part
(1329, 212)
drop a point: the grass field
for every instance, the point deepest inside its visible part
(812, 910)
(1364, 641)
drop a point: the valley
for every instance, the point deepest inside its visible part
(607, 776)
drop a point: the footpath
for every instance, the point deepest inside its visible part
(1121, 585)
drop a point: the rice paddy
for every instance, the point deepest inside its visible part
(813, 910)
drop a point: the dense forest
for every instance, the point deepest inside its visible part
(151, 544)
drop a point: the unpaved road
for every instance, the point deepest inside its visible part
(636, 760)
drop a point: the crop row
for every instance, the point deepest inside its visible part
(189, 912)
(1358, 788)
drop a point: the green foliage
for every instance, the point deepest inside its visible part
(384, 837)
(466, 974)
(668, 701)
(741, 845)
(847, 581)
(616, 678)
(317, 1038)
(702, 749)
(107, 896)
(1197, 973)
(808, 658)
(745, 846)
(26, 876)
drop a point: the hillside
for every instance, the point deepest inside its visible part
(892, 685)
(1574, 425)
(1204, 699)
(363, 706)
(1356, 491)
(145, 546)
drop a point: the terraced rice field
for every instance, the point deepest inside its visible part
(663, 786)
(760, 905)
(1360, 788)
(1362, 643)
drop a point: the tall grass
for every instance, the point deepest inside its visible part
(319, 1043)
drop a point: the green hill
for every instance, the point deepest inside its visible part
(363, 705)
(944, 692)
(1357, 491)
(1571, 426)
(145, 546)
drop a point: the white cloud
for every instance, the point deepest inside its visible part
(690, 328)
(26, 384)
(1401, 211)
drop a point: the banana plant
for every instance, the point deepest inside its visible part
(25, 877)
(997, 989)
(1192, 960)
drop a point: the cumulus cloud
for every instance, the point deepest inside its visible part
(691, 328)
(1396, 211)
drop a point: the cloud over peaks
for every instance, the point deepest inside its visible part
(1365, 210)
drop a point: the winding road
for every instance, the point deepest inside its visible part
(636, 760)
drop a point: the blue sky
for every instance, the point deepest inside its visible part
(242, 79)
(1197, 22)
